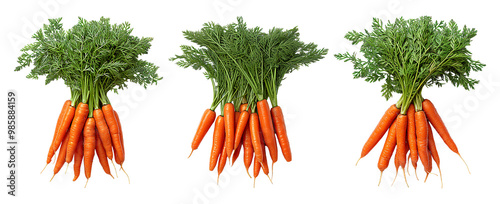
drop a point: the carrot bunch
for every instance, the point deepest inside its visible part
(246, 67)
(409, 55)
(93, 58)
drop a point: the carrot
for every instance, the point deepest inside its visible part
(89, 144)
(412, 138)
(401, 126)
(439, 126)
(101, 154)
(248, 149)
(422, 139)
(53, 150)
(222, 162)
(104, 133)
(63, 128)
(229, 116)
(78, 158)
(81, 113)
(61, 156)
(236, 153)
(241, 124)
(218, 141)
(267, 128)
(207, 119)
(255, 137)
(434, 152)
(280, 128)
(256, 169)
(264, 166)
(121, 137)
(382, 127)
(109, 115)
(387, 150)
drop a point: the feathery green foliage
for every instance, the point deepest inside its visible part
(411, 54)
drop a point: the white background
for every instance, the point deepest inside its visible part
(329, 115)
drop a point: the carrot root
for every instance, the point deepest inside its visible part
(126, 174)
(358, 161)
(380, 179)
(44, 168)
(191, 153)
(464, 163)
(249, 174)
(269, 179)
(116, 172)
(52, 178)
(86, 183)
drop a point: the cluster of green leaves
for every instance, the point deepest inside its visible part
(411, 54)
(246, 64)
(93, 57)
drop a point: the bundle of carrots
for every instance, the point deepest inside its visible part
(93, 58)
(246, 67)
(408, 55)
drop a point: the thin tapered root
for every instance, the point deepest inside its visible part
(464, 163)
(86, 183)
(52, 178)
(126, 174)
(380, 179)
(218, 179)
(44, 168)
(440, 176)
(254, 182)
(191, 153)
(395, 177)
(249, 174)
(416, 174)
(358, 161)
(426, 177)
(112, 176)
(404, 174)
(269, 179)
(272, 172)
(116, 172)
(67, 166)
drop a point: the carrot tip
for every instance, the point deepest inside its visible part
(254, 182)
(191, 153)
(380, 179)
(44, 168)
(112, 176)
(358, 161)
(86, 183)
(67, 166)
(395, 177)
(126, 174)
(249, 174)
(406, 181)
(416, 174)
(440, 176)
(464, 162)
(426, 177)
(52, 178)
(218, 179)
(116, 172)
(269, 179)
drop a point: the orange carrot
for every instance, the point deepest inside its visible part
(382, 127)
(222, 162)
(267, 128)
(63, 128)
(255, 137)
(434, 152)
(248, 149)
(121, 137)
(53, 150)
(101, 154)
(104, 133)
(218, 141)
(280, 128)
(264, 166)
(78, 158)
(81, 113)
(206, 122)
(437, 123)
(109, 115)
(236, 153)
(401, 125)
(241, 124)
(229, 128)
(387, 150)
(256, 169)
(422, 139)
(61, 156)
(89, 138)
(412, 138)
